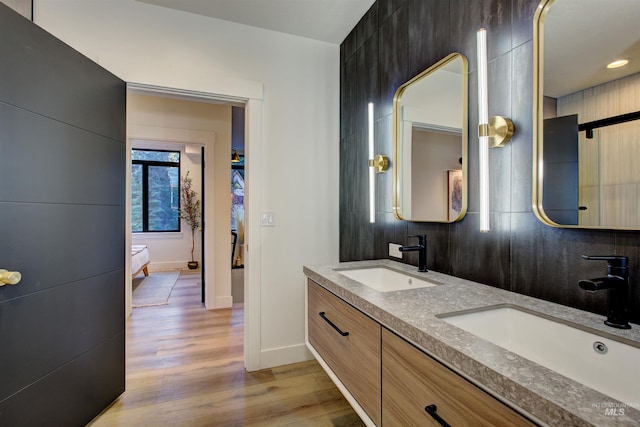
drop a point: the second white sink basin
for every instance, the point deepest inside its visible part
(384, 279)
(604, 364)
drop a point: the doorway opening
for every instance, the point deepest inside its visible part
(198, 133)
(216, 243)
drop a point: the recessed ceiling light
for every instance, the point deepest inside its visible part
(618, 63)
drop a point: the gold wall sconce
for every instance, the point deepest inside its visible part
(372, 175)
(9, 277)
(499, 130)
(495, 131)
(377, 164)
(380, 163)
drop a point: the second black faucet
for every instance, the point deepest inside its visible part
(421, 248)
(616, 283)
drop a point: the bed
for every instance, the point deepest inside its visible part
(139, 260)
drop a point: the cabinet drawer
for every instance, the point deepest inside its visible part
(411, 381)
(354, 358)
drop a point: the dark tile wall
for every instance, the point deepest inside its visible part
(396, 40)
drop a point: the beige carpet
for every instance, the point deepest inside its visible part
(153, 289)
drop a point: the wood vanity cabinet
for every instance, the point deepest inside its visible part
(393, 381)
(413, 381)
(349, 342)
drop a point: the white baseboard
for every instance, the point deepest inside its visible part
(167, 265)
(284, 355)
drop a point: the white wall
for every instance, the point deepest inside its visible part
(152, 45)
(23, 7)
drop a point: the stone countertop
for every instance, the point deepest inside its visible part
(543, 394)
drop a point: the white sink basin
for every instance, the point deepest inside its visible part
(384, 279)
(567, 349)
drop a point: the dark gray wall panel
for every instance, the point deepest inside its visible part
(393, 42)
(92, 99)
(356, 236)
(367, 81)
(95, 174)
(520, 253)
(353, 158)
(68, 396)
(367, 26)
(69, 242)
(547, 263)
(522, 22)
(467, 17)
(427, 43)
(521, 193)
(43, 331)
(348, 76)
(387, 7)
(437, 243)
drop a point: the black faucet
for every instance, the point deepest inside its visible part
(616, 282)
(421, 247)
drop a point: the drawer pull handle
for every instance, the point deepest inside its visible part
(344, 334)
(431, 410)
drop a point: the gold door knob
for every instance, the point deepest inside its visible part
(9, 277)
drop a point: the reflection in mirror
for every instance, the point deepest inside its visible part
(430, 144)
(588, 127)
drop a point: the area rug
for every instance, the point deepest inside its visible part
(153, 289)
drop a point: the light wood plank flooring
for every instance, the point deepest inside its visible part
(185, 368)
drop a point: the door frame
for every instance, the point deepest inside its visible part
(203, 211)
(250, 94)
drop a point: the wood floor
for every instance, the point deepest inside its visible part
(185, 368)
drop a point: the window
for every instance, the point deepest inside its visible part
(155, 190)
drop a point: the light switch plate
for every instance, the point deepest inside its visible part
(268, 219)
(394, 250)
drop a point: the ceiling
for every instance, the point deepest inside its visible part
(582, 36)
(326, 20)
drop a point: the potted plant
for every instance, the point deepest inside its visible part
(190, 213)
(238, 213)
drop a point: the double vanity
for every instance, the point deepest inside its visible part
(409, 348)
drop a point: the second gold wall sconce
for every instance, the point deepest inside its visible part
(380, 163)
(495, 131)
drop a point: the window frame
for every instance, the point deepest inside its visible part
(145, 187)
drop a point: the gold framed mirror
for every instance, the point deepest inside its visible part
(430, 144)
(587, 114)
